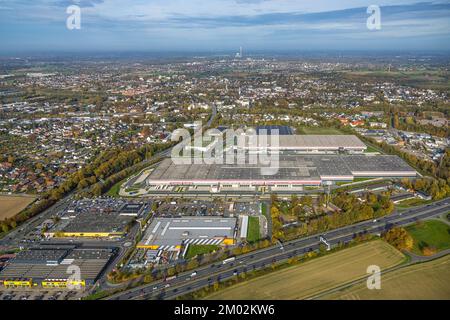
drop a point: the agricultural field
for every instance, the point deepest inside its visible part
(432, 234)
(428, 280)
(315, 276)
(12, 205)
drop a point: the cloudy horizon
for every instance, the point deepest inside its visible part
(221, 25)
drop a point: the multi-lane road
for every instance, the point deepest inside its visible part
(187, 282)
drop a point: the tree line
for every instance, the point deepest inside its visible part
(101, 173)
(353, 211)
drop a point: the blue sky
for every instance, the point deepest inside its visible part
(223, 25)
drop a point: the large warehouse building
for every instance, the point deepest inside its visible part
(173, 233)
(49, 267)
(310, 144)
(287, 143)
(98, 218)
(294, 171)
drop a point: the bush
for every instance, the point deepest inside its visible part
(399, 238)
(429, 251)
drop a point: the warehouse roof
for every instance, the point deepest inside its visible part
(90, 261)
(172, 231)
(267, 129)
(40, 256)
(291, 168)
(314, 142)
(107, 222)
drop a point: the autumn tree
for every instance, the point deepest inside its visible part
(307, 201)
(399, 238)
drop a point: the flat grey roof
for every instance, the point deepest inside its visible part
(319, 142)
(90, 261)
(40, 256)
(173, 231)
(282, 130)
(90, 270)
(94, 222)
(291, 168)
(376, 163)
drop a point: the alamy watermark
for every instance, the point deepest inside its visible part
(73, 21)
(74, 281)
(374, 20)
(374, 280)
(238, 148)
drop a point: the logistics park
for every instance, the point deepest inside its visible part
(169, 213)
(304, 163)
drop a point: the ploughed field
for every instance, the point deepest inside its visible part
(12, 205)
(428, 280)
(315, 276)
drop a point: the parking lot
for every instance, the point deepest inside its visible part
(31, 294)
(192, 208)
(247, 208)
(207, 208)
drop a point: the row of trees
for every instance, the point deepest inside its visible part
(439, 171)
(120, 168)
(353, 211)
(105, 166)
(269, 268)
(409, 123)
(436, 188)
(149, 274)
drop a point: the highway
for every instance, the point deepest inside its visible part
(207, 275)
(213, 115)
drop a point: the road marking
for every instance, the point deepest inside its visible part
(165, 229)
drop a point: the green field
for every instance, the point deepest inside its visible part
(313, 277)
(253, 233)
(411, 203)
(195, 250)
(318, 130)
(423, 281)
(114, 191)
(432, 233)
(371, 149)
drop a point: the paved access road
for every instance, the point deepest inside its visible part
(206, 275)
(14, 238)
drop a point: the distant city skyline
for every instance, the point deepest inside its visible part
(223, 25)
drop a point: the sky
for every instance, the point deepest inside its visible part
(223, 25)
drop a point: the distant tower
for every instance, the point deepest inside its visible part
(239, 54)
